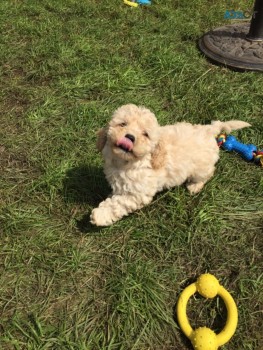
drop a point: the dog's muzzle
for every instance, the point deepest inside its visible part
(126, 143)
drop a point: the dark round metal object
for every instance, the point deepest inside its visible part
(239, 45)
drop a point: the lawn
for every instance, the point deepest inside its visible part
(66, 65)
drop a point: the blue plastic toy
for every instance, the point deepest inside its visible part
(144, 2)
(248, 152)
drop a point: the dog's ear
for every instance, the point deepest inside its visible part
(101, 139)
(158, 155)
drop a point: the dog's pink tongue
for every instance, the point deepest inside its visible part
(125, 143)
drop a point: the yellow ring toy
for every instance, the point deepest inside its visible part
(204, 338)
(130, 3)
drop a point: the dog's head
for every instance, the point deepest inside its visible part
(132, 133)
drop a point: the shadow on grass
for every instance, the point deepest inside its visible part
(85, 185)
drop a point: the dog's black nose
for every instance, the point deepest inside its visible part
(130, 137)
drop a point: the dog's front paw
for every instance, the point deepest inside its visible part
(101, 217)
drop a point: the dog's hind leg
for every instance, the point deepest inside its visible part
(197, 182)
(195, 187)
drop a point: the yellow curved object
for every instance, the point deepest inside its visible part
(204, 338)
(130, 3)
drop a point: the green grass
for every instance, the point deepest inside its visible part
(64, 284)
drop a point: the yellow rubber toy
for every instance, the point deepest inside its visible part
(130, 3)
(204, 338)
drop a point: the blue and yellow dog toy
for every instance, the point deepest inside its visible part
(248, 152)
(135, 3)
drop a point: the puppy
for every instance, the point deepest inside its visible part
(142, 158)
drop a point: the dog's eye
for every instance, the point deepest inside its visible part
(123, 124)
(145, 134)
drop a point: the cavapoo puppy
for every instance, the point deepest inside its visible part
(142, 158)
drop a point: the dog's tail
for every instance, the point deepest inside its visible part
(227, 127)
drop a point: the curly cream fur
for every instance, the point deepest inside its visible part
(161, 157)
